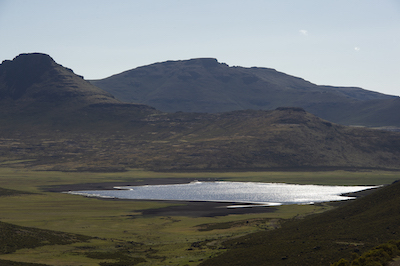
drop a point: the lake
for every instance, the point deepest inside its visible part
(270, 194)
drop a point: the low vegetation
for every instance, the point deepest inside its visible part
(115, 232)
(355, 227)
(379, 255)
(15, 237)
(58, 131)
(262, 223)
(11, 192)
(121, 257)
(239, 141)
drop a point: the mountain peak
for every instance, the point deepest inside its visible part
(36, 79)
(206, 62)
(34, 59)
(23, 71)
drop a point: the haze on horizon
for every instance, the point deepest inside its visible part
(339, 43)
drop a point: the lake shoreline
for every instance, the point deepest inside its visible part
(182, 208)
(112, 185)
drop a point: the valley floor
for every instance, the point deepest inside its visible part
(145, 232)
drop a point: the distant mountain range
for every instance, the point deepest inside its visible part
(205, 85)
(50, 118)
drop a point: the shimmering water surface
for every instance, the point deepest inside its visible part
(244, 192)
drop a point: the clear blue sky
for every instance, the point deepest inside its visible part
(340, 42)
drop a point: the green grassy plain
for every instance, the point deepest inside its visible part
(117, 226)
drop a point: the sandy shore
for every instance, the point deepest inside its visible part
(185, 208)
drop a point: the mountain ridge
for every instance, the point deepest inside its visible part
(89, 129)
(205, 85)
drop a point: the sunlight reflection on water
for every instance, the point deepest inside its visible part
(242, 192)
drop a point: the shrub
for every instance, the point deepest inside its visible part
(377, 256)
(341, 262)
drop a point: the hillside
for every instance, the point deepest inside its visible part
(324, 238)
(286, 138)
(30, 80)
(36, 91)
(53, 119)
(205, 85)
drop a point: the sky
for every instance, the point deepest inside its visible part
(338, 43)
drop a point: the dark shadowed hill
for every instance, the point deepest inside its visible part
(53, 119)
(35, 90)
(205, 85)
(324, 238)
(30, 80)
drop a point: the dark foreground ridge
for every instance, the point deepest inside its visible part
(321, 239)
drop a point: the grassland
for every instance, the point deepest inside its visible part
(118, 231)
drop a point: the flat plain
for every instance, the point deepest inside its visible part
(137, 230)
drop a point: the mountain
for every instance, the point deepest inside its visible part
(205, 85)
(322, 239)
(50, 118)
(34, 89)
(30, 80)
